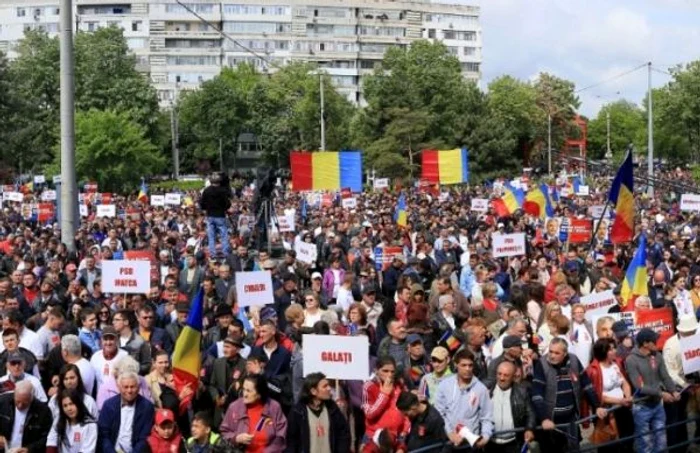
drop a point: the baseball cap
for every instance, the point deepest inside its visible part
(267, 313)
(316, 275)
(15, 357)
(511, 341)
(164, 415)
(109, 331)
(440, 353)
(646, 335)
(620, 329)
(413, 339)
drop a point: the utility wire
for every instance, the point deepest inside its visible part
(227, 36)
(611, 78)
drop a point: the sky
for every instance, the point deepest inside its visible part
(589, 41)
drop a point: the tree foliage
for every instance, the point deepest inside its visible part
(113, 149)
(627, 127)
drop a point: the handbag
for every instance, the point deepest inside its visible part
(605, 430)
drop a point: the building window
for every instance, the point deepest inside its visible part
(21, 12)
(38, 12)
(55, 11)
(469, 51)
(136, 25)
(92, 26)
(431, 33)
(471, 67)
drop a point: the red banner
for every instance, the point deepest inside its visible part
(327, 200)
(106, 198)
(45, 212)
(144, 255)
(580, 231)
(660, 320)
(388, 255)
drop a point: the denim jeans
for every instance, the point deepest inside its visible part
(214, 225)
(649, 423)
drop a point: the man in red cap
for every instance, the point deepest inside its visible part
(165, 435)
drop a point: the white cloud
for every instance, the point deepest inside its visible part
(588, 42)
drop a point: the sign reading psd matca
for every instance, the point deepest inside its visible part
(338, 357)
(126, 276)
(254, 288)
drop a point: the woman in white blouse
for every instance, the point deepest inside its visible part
(313, 311)
(75, 430)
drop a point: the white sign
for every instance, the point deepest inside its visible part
(286, 223)
(57, 179)
(157, 200)
(13, 196)
(690, 202)
(126, 276)
(598, 303)
(83, 210)
(338, 357)
(306, 253)
(583, 191)
(596, 211)
(172, 199)
(480, 204)
(508, 244)
(349, 203)
(690, 354)
(254, 288)
(381, 183)
(106, 210)
(48, 195)
(39, 179)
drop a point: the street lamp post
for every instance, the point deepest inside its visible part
(549, 143)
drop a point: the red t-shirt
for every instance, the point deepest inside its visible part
(256, 427)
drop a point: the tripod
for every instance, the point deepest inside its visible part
(265, 217)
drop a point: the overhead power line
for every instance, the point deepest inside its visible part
(618, 76)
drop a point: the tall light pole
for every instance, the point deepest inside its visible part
(323, 114)
(175, 133)
(650, 144)
(69, 190)
(608, 152)
(549, 143)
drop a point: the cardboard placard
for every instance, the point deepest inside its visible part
(126, 277)
(508, 244)
(381, 183)
(690, 202)
(583, 191)
(660, 320)
(146, 256)
(39, 179)
(306, 253)
(83, 209)
(338, 357)
(173, 199)
(480, 204)
(45, 212)
(690, 354)
(349, 203)
(106, 210)
(13, 196)
(286, 223)
(598, 303)
(157, 200)
(580, 231)
(384, 256)
(48, 195)
(596, 211)
(254, 288)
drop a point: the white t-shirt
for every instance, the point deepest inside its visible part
(87, 373)
(310, 320)
(336, 282)
(345, 299)
(581, 343)
(612, 381)
(39, 392)
(104, 367)
(18, 428)
(80, 438)
(90, 405)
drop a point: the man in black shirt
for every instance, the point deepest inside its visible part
(427, 425)
(216, 200)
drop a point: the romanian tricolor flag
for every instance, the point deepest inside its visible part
(143, 193)
(401, 215)
(326, 170)
(622, 197)
(187, 354)
(508, 203)
(445, 167)
(538, 203)
(635, 282)
(450, 341)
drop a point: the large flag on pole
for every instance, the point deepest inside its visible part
(187, 354)
(635, 282)
(622, 197)
(538, 203)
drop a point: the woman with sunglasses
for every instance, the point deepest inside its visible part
(104, 317)
(313, 310)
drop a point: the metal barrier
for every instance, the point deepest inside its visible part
(589, 448)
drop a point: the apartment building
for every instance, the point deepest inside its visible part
(179, 50)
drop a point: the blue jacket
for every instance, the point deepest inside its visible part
(109, 421)
(92, 340)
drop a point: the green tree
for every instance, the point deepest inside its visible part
(113, 149)
(627, 126)
(556, 97)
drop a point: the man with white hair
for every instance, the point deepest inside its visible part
(16, 374)
(71, 353)
(24, 421)
(126, 419)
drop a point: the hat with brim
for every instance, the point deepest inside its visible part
(687, 323)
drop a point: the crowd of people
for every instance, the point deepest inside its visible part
(468, 352)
